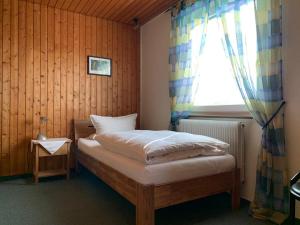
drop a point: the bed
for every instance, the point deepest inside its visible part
(150, 187)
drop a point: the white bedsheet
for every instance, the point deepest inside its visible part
(158, 173)
(152, 147)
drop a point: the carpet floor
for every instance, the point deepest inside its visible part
(85, 200)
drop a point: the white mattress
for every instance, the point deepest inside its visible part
(158, 173)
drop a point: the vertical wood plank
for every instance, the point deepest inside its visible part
(125, 71)
(99, 79)
(44, 72)
(94, 78)
(5, 154)
(115, 70)
(120, 67)
(29, 81)
(88, 49)
(109, 79)
(50, 76)
(36, 68)
(57, 72)
(44, 64)
(17, 160)
(2, 172)
(138, 63)
(63, 73)
(134, 77)
(76, 66)
(21, 86)
(82, 64)
(104, 92)
(70, 77)
(129, 71)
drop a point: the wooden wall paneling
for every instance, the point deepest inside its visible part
(94, 78)
(88, 51)
(2, 158)
(29, 81)
(57, 73)
(115, 70)
(43, 72)
(104, 90)
(109, 79)
(82, 64)
(50, 76)
(130, 70)
(134, 74)
(21, 86)
(63, 70)
(120, 67)
(76, 66)
(138, 70)
(70, 77)
(44, 64)
(124, 70)
(15, 153)
(36, 68)
(99, 52)
(5, 154)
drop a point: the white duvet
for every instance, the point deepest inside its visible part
(151, 147)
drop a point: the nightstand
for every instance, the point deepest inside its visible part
(40, 152)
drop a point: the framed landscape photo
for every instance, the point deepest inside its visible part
(99, 66)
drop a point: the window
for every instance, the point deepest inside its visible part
(216, 88)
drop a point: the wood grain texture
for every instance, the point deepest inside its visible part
(123, 11)
(43, 72)
(149, 197)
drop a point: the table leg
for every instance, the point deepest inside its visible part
(36, 165)
(68, 162)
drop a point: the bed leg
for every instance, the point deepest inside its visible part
(77, 166)
(235, 192)
(145, 212)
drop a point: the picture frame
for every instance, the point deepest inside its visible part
(100, 66)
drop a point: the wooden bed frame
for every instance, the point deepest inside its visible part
(148, 198)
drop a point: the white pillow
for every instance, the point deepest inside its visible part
(112, 124)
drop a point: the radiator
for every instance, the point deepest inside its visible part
(231, 132)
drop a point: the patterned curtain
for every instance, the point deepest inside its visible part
(263, 97)
(182, 78)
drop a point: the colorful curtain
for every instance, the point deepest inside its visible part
(182, 77)
(263, 95)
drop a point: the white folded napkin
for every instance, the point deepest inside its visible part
(52, 145)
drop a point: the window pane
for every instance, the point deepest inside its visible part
(214, 74)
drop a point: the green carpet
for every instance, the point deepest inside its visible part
(85, 200)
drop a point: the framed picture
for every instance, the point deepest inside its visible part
(99, 66)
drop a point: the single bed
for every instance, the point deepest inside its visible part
(151, 187)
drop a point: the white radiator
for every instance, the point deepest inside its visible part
(231, 132)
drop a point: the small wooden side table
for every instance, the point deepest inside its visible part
(40, 152)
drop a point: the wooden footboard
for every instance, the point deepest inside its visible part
(147, 198)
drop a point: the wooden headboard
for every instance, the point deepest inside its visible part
(83, 128)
